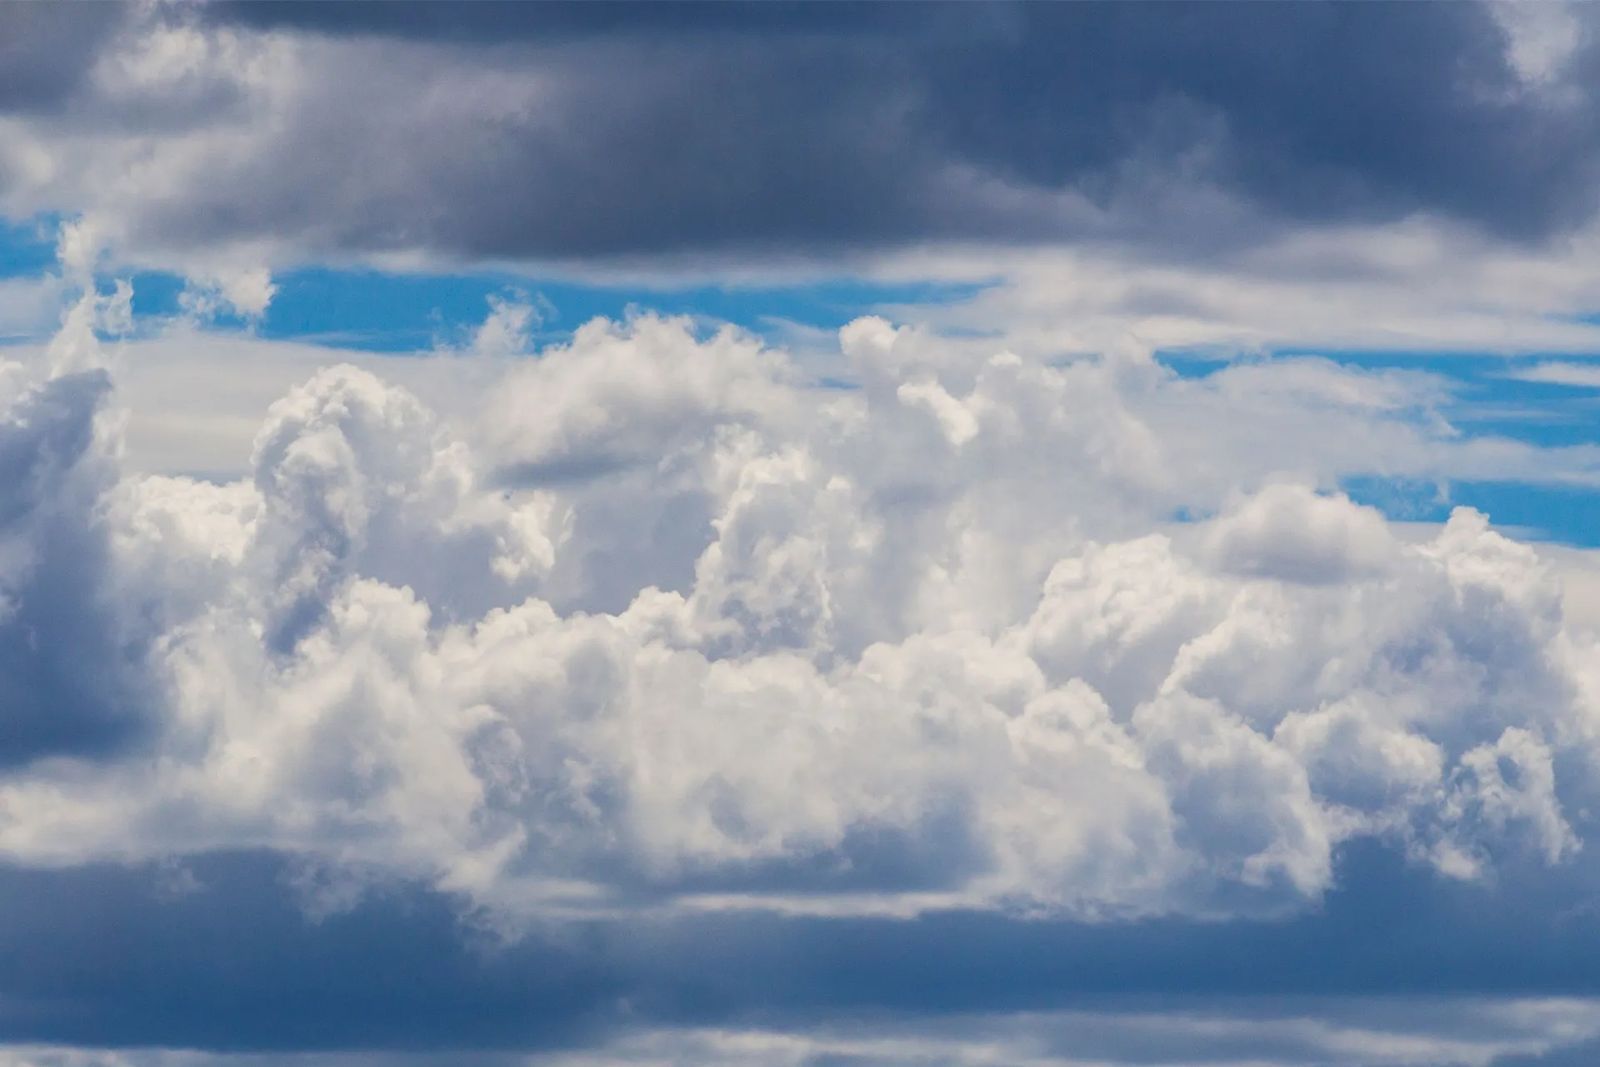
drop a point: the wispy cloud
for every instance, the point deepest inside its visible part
(1577, 375)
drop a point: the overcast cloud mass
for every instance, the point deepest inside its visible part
(799, 535)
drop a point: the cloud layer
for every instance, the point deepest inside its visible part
(1475, 1032)
(555, 133)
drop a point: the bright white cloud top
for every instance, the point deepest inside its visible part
(665, 626)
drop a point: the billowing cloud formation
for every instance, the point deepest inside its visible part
(556, 132)
(667, 627)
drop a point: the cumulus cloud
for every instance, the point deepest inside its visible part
(666, 626)
(244, 292)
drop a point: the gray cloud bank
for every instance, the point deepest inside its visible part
(558, 132)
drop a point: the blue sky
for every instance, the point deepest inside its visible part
(799, 535)
(379, 311)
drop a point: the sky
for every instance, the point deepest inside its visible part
(799, 534)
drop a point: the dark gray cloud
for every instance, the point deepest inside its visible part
(500, 20)
(220, 954)
(1320, 111)
(797, 129)
(71, 678)
(45, 50)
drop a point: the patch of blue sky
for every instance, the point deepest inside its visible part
(383, 311)
(155, 293)
(28, 246)
(1566, 514)
(405, 312)
(386, 312)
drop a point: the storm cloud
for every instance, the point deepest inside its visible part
(552, 133)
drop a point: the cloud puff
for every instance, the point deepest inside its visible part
(667, 627)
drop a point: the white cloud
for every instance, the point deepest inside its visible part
(1578, 375)
(1542, 38)
(80, 246)
(1413, 1033)
(508, 330)
(242, 291)
(1417, 286)
(1264, 1032)
(648, 619)
(1292, 534)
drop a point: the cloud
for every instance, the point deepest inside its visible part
(46, 52)
(977, 691)
(1576, 375)
(1274, 1034)
(1289, 533)
(1476, 1032)
(72, 679)
(1542, 40)
(1418, 288)
(244, 292)
(660, 625)
(240, 953)
(1189, 132)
